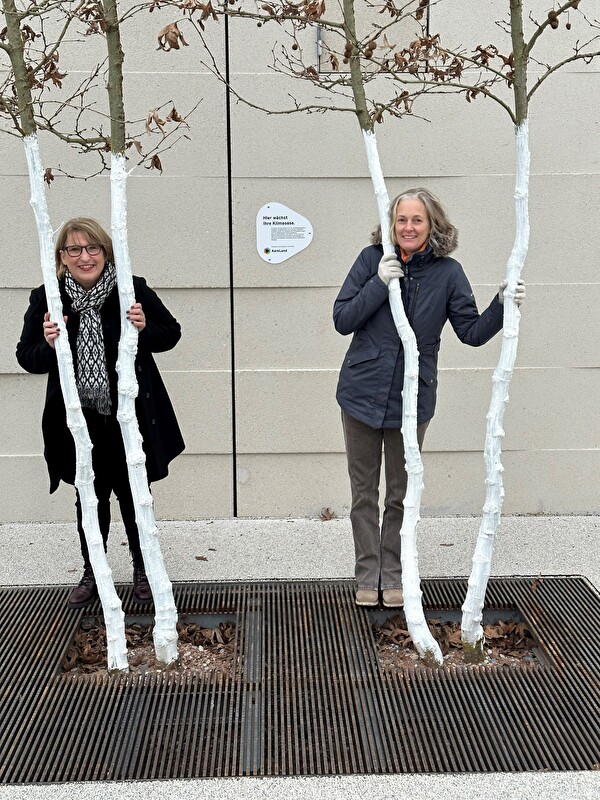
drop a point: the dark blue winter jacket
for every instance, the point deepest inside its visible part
(434, 290)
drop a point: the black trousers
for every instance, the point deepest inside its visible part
(110, 475)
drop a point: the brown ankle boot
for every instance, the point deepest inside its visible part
(141, 587)
(85, 591)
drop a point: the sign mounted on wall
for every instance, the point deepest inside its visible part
(281, 233)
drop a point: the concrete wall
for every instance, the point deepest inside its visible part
(198, 249)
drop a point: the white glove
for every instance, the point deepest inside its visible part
(520, 293)
(389, 267)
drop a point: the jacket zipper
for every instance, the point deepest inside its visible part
(413, 304)
(404, 283)
(411, 296)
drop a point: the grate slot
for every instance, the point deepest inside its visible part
(50, 759)
(409, 747)
(474, 723)
(306, 686)
(412, 733)
(580, 629)
(570, 727)
(365, 678)
(461, 738)
(328, 705)
(188, 717)
(511, 740)
(333, 676)
(276, 713)
(344, 655)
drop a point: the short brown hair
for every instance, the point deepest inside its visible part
(91, 229)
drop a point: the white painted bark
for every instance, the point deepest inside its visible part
(422, 638)
(472, 631)
(165, 626)
(84, 476)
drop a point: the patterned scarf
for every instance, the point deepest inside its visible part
(92, 374)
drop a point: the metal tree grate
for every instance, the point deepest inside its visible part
(310, 697)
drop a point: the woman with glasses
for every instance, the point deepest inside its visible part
(87, 281)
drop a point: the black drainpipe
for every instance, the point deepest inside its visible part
(231, 261)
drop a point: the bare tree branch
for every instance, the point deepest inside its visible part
(551, 21)
(587, 57)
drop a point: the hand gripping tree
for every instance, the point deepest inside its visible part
(347, 91)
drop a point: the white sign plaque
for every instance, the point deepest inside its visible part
(281, 233)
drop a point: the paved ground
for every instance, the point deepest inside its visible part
(270, 549)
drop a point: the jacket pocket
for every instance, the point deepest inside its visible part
(362, 355)
(427, 374)
(427, 392)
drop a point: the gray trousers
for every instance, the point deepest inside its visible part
(377, 551)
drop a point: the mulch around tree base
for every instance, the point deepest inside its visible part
(201, 650)
(507, 644)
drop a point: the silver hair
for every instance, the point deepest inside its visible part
(443, 236)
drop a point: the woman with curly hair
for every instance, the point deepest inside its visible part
(434, 289)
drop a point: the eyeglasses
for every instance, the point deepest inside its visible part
(75, 250)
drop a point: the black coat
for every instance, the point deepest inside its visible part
(434, 290)
(158, 425)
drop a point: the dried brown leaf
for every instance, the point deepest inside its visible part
(153, 117)
(175, 116)
(170, 38)
(29, 35)
(493, 632)
(454, 637)
(537, 583)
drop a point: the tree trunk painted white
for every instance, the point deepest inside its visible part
(472, 631)
(424, 642)
(165, 627)
(84, 476)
